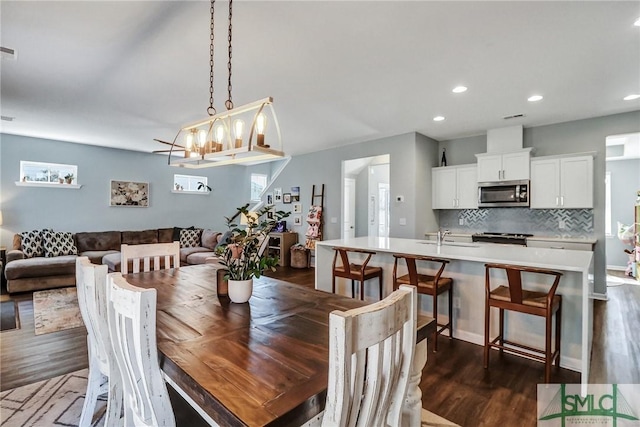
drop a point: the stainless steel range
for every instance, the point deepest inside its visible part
(508, 238)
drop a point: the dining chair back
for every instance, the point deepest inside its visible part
(371, 350)
(156, 256)
(91, 284)
(355, 271)
(515, 297)
(132, 327)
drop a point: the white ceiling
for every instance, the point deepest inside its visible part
(121, 73)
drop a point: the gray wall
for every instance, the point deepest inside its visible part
(625, 183)
(87, 209)
(565, 138)
(408, 152)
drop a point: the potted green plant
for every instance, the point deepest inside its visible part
(69, 178)
(243, 255)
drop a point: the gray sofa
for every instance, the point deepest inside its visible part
(25, 273)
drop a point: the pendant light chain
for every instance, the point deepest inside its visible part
(229, 102)
(211, 110)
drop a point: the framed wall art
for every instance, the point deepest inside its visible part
(297, 208)
(295, 194)
(277, 195)
(286, 198)
(129, 194)
(297, 220)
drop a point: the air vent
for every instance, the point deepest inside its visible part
(514, 116)
(7, 118)
(7, 53)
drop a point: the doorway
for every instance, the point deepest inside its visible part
(365, 197)
(622, 181)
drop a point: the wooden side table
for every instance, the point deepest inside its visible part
(280, 245)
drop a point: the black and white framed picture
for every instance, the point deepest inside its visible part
(297, 220)
(269, 199)
(297, 208)
(129, 194)
(277, 195)
(286, 198)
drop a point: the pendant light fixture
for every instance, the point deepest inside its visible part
(247, 135)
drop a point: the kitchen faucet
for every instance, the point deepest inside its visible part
(440, 236)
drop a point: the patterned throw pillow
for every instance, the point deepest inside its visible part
(58, 243)
(190, 238)
(32, 243)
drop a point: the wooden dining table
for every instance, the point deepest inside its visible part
(262, 363)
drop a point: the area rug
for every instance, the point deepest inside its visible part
(54, 402)
(9, 318)
(56, 310)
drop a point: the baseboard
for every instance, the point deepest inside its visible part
(617, 267)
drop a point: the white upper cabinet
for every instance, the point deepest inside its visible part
(562, 183)
(454, 187)
(504, 166)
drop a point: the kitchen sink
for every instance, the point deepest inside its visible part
(433, 242)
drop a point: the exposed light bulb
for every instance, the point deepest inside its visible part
(219, 136)
(261, 124)
(238, 129)
(202, 137)
(188, 141)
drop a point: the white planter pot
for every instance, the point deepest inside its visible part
(240, 290)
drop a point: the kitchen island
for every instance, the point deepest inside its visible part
(467, 270)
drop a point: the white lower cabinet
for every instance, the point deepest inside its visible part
(562, 183)
(560, 244)
(454, 187)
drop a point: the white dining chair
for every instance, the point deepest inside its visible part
(371, 351)
(91, 282)
(132, 327)
(156, 256)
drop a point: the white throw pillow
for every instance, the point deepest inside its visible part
(190, 238)
(58, 243)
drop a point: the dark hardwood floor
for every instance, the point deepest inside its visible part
(454, 383)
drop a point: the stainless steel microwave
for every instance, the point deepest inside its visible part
(503, 194)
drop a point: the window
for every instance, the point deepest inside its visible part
(258, 185)
(190, 183)
(607, 204)
(47, 173)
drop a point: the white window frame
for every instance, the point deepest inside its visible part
(192, 182)
(49, 175)
(256, 196)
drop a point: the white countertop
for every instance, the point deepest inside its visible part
(556, 259)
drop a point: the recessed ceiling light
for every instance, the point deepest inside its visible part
(637, 23)
(459, 89)
(438, 118)
(534, 98)
(631, 97)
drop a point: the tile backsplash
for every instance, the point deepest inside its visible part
(541, 222)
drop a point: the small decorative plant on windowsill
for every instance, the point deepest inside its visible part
(244, 255)
(203, 187)
(69, 178)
